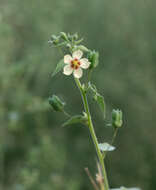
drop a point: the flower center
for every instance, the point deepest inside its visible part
(75, 63)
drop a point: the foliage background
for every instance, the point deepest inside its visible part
(35, 152)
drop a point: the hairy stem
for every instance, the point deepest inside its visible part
(113, 139)
(93, 135)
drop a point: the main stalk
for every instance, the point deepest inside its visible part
(92, 132)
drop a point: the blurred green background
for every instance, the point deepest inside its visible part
(35, 152)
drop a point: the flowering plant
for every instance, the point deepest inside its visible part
(74, 62)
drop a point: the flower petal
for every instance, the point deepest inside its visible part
(124, 188)
(106, 147)
(84, 63)
(67, 59)
(67, 70)
(77, 54)
(78, 73)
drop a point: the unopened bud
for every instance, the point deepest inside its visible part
(93, 57)
(82, 48)
(55, 39)
(56, 103)
(64, 36)
(117, 118)
(55, 42)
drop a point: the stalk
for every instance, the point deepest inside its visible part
(93, 135)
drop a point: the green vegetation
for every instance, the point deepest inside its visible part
(36, 153)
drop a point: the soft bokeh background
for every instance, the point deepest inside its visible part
(35, 152)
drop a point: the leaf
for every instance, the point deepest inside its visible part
(75, 119)
(106, 147)
(59, 67)
(78, 41)
(93, 88)
(101, 102)
(98, 98)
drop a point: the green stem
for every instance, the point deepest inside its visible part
(113, 139)
(93, 135)
(114, 135)
(66, 114)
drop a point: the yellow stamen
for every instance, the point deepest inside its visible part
(75, 64)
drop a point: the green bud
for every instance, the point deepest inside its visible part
(55, 39)
(79, 41)
(82, 48)
(56, 42)
(64, 36)
(56, 103)
(117, 118)
(93, 57)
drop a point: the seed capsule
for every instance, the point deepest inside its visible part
(56, 103)
(93, 57)
(117, 118)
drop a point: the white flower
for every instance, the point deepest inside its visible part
(106, 147)
(74, 64)
(124, 188)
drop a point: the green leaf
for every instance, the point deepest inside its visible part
(78, 41)
(101, 102)
(98, 98)
(75, 119)
(92, 87)
(59, 67)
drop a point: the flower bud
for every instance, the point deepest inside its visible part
(82, 48)
(56, 103)
(64, 36)
(55, 39)
(117, 118)
(55, 42)
(93, 57)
